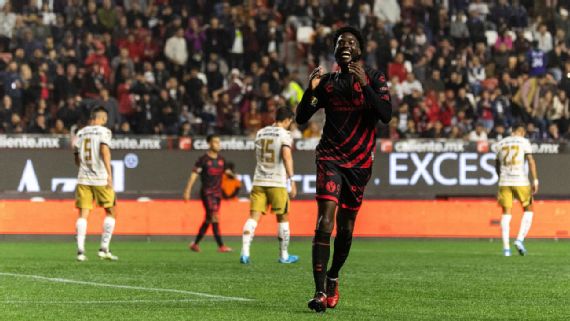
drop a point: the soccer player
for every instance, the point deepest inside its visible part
(210, 168)
(512, 152)
(95, 181)
(354, 99)
(274, 168)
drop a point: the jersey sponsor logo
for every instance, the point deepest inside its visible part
(215, 171)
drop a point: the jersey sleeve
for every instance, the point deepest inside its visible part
(311, 102)
(106, 137)
(378, 94)
(198, 166)
(286, 139)
(527, 148)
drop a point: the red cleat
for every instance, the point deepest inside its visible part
(194, 247)
(225, 249)
(332, 293)
(318, 303)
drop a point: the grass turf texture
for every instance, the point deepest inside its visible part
(382, 280)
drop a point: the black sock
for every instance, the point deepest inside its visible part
(201, 232)
(342, 243)
(217, 236)
(321, 253)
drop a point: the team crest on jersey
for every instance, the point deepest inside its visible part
(329, 88)
(357, 87)
(331, 186)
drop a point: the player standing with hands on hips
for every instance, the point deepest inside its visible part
(354, 99)
(512, 152)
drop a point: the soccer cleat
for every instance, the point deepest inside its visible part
(107, 255)
(507, 252)
(332, 292)
(318, 303)
(289, 260)
(225, 249)
(81, 257)
(520, 247)
(194, 247)
(244, 259)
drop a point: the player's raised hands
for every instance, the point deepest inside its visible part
(315, 76)
(357, 70)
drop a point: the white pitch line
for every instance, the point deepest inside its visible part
(128, 287)
(101, 302)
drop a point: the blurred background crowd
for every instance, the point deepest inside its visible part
(457, 69)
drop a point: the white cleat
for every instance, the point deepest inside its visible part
(107, 255)
(507, 252)
(81, 257)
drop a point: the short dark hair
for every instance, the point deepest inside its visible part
(518, 125)
(98, 109)
(284, 113)
(210, 137)
(355, 32)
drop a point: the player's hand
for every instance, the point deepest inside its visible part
(293, 191)
(357, 70)
(186, 196)
(315, 77)
(109, 182)
(534, 188)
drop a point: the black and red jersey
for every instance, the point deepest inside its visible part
(352, 112)
(211, 171)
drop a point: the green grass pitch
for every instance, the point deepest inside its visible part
(382, 280)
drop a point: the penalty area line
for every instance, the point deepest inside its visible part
(127, 287)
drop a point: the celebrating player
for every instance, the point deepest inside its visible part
(95, 181)
(513, 183)
(274, 168)
(354, 99)
(210, 167)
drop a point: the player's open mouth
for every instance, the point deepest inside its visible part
(346, 54)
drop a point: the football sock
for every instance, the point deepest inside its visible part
(247, 236)
(81, 227)
(505, 225)
(321, 253)
(108, 227)
(525, 225)
(217, 235)
(283, 236)
(342, 243)
(201, 232)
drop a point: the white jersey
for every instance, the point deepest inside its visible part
(92, 170)
(270, 169)
(511, 153)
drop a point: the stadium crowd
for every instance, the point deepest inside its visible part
(457, 68)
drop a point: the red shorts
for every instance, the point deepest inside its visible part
(345, 186)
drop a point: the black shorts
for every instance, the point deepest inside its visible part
(345, 186)
(211, 202)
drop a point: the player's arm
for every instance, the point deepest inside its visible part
(106, 156)
(533, 172)
(191, 180)
(76, 157)
(288, 162)
(309, 104)
(498, 166)
(376, 91)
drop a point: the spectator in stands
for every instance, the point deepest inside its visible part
(478, 134)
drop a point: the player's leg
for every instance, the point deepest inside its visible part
(354, 182)
(328, 191)
(258, 205)
(248, 234)
(524, 195)
(215, 221)
(279, 200)
(321, 251)
(505, 198)
(194, 246)
(84, 203)
(106, 198)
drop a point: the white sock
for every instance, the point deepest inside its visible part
(283, 236)
(108, 227)
(505, 225)
(526, 222)
(247, 236)
(81, 228)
